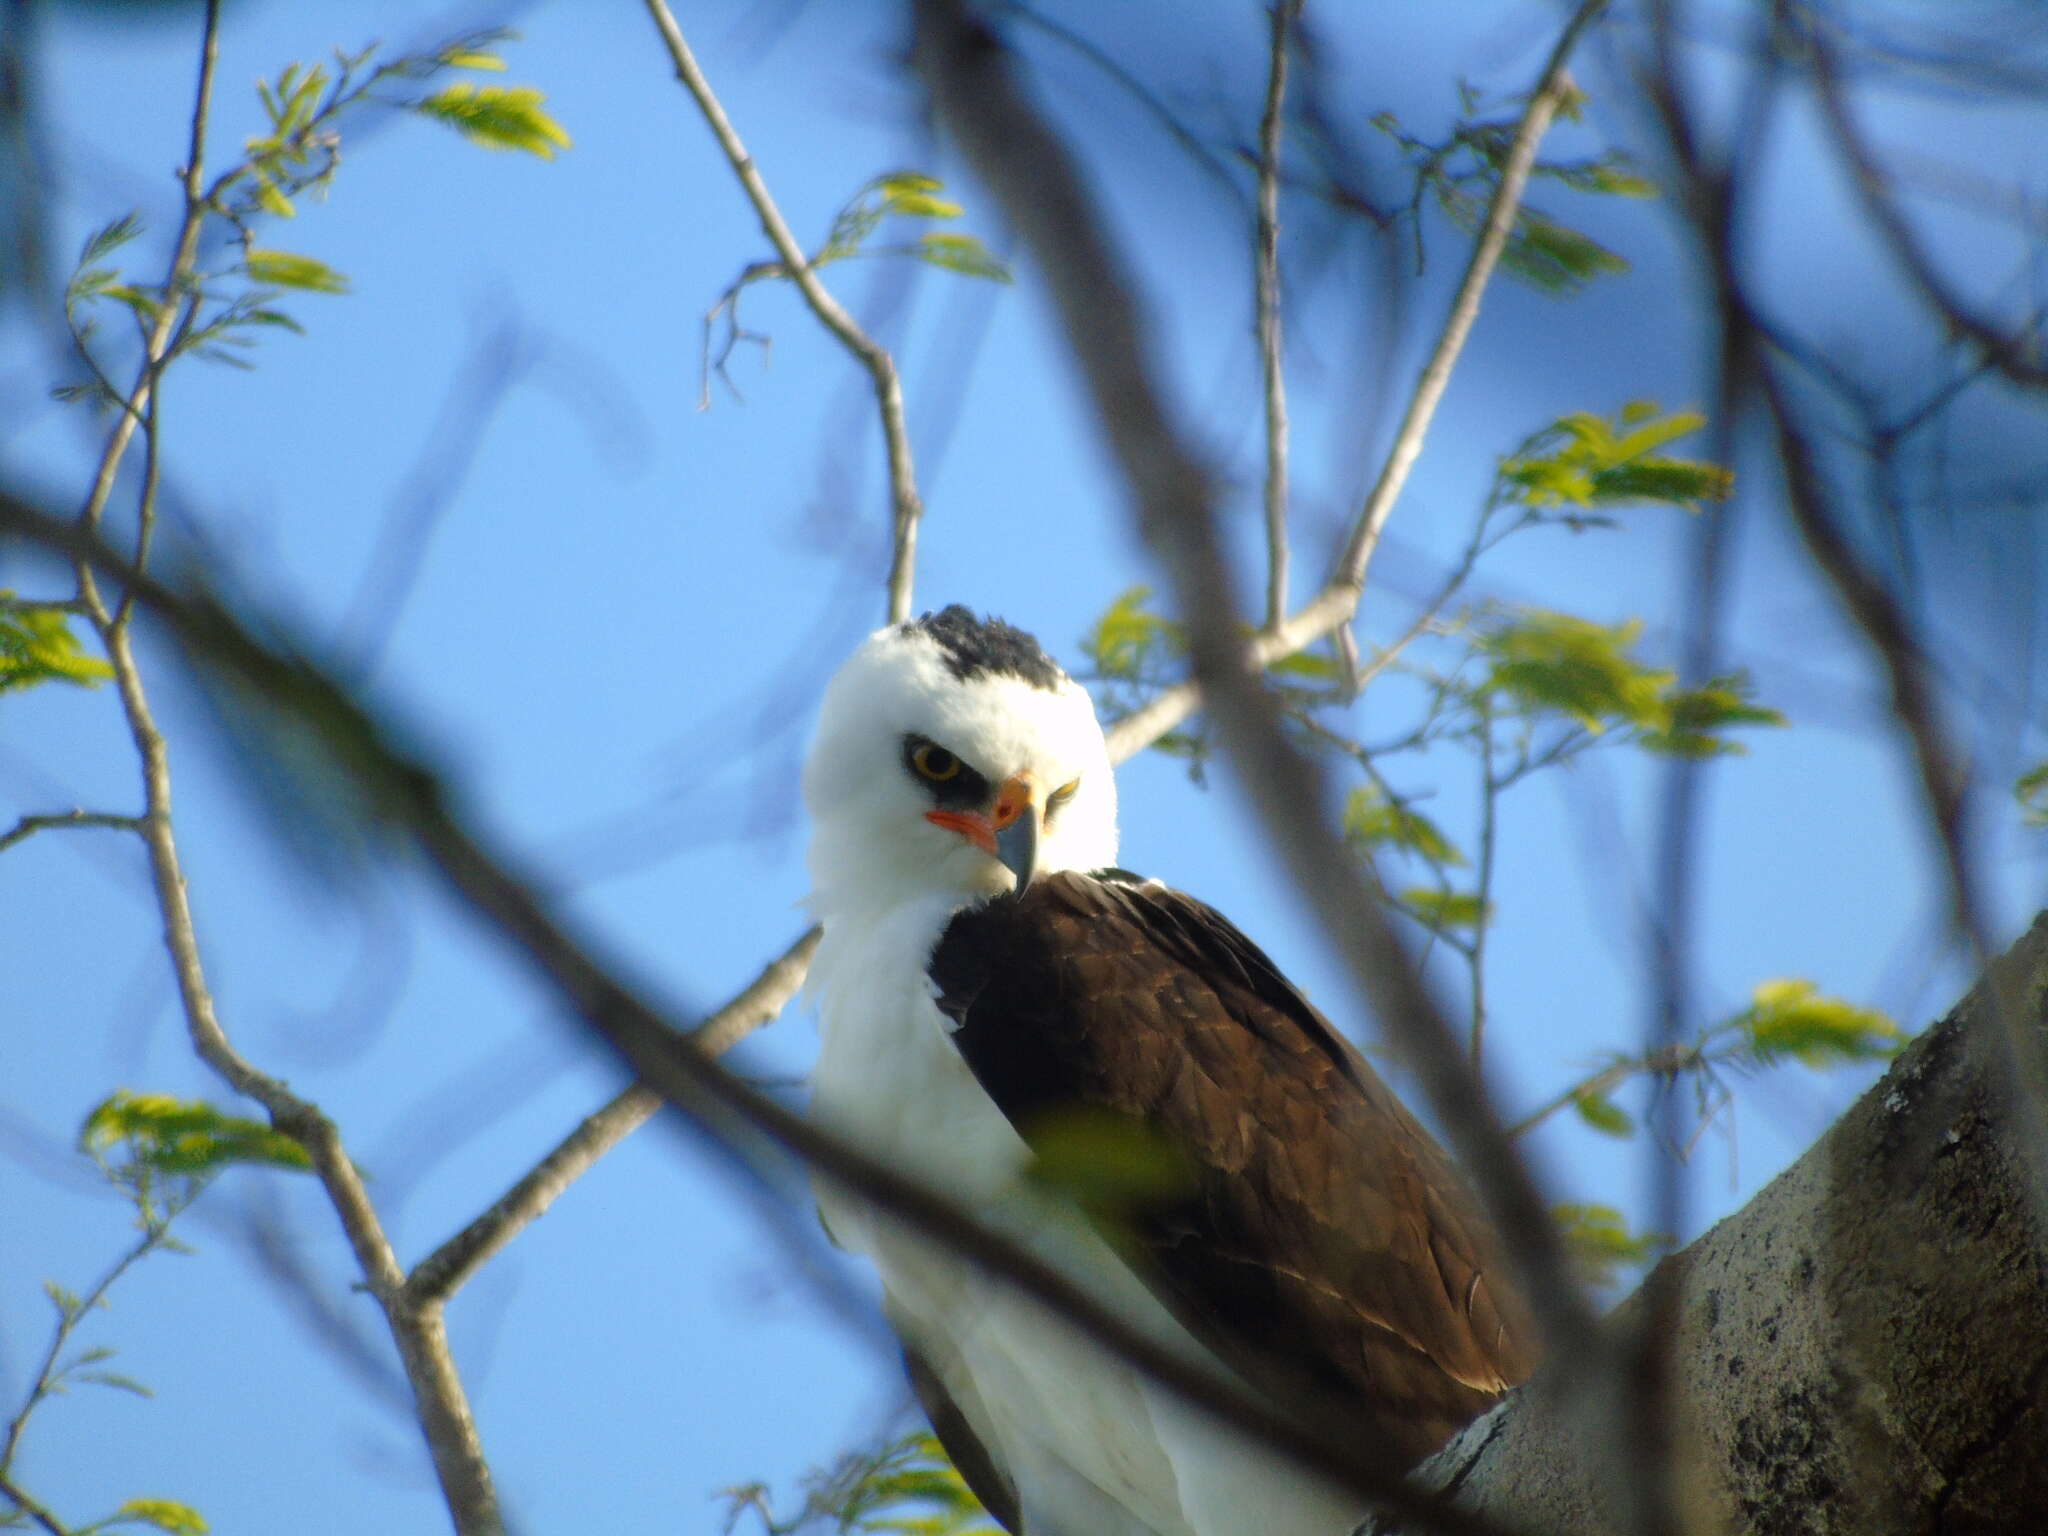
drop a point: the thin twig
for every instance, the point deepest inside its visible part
(881, 367)
(1333, 607)
(28, 826)
(1268, 283)
(2016, 355)
(31, 1508)
(1031, 174)
(443, 1271)
(1551, 89)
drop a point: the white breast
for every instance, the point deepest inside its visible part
(1073, 1426)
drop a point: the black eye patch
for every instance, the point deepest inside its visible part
(952, 784)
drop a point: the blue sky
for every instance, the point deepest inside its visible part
(613, 638)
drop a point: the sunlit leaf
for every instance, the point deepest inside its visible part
(1129, 636)
(470, 58)
(1585, 460)
(38, 646)
(163, 1515)
(1372, 822)
(1600, 1242)
(1790, 1017)
(184, 1136)
(1445, 909)
(1555, 661)
(283, 269)
(498, 117)
(1603, 1114)
(1693, 717)
(271, 200)
(960, 253)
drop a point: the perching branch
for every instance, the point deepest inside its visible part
(443, 1272)
(1031, 173)
(881, 367)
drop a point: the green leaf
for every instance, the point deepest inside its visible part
(1600, 1242)
(184, 1136)
(114, 1379)
(471, 58)
(1445, 909)
(1545, 661)
(960, 253)
(1372, 822)
(68, 1304)
(1129, 637)
(37, 646)
(1693, 716)
(1789, 1017)
(109, 238)
(2031, 791)
(271, 200)
(164, 1515)
(1603, 1114)
(1313, 666)
(497, 117)
(1106, 1161)
(1584, 460)
(1555, 258)
(283, 269)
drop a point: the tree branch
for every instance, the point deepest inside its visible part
(1281, 18)
(881, 367)
(1333, 607)
(444, 1271)
(28, 826)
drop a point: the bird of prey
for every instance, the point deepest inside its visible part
(993, 991)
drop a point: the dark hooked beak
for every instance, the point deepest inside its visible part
(1017, 846)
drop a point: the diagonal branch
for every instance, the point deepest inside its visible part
(881, 367)
(444, 1271)
(1282, 19)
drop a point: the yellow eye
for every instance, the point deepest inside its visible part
(1064, 793)
(935, 763)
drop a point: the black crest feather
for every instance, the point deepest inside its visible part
(977, 647)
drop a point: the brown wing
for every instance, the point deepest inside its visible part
(1326, 1247)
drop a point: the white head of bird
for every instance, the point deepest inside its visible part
(953, 760)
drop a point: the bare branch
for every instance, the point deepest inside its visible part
(1333, 607)
(443, 1271)
(1270, 354)
(881, 367)
(1551, 89)
(2017, 355)
(31, 1508)
(28, 826)
(1031, 173)
(668, 1060)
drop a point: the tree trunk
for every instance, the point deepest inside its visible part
(1862, 1348)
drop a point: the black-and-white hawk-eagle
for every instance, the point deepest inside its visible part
(987, 977)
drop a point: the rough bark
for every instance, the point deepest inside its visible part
(1862, 1348)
